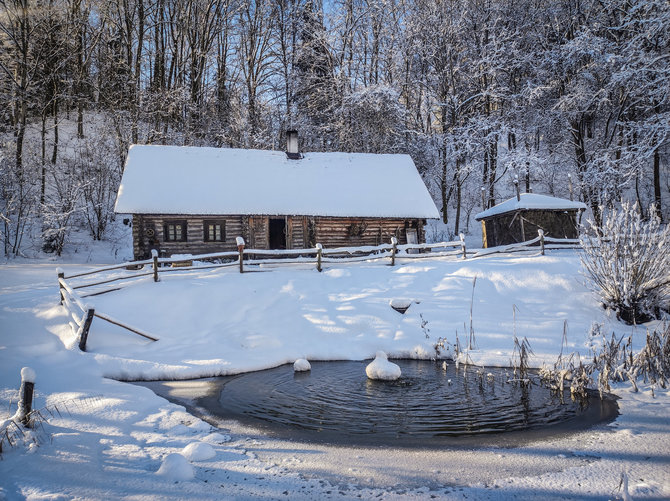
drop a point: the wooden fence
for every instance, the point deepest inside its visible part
(82, 314)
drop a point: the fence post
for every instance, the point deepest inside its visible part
(240, 248)
(90, 312)
(394, 249)
(61, 274)
(541, 233)
(319, 253)
(154, 255)
(462, 238)
(26, 395)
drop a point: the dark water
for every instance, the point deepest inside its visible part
(335, 402)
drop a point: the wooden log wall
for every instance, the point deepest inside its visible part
(301, 232)
(349, 232)
(148, 234)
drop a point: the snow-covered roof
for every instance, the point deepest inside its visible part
(531, 201)
(193, 180)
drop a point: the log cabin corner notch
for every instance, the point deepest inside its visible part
(194, 200)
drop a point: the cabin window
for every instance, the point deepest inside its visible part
(175, 231)
(215, 231)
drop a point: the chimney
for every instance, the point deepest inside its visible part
(292, 151)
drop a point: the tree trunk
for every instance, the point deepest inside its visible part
(588, 192)
(54, 152)
(457, 177)
(43, 173)
(657, 184)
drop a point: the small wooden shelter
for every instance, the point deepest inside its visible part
(518, 219)
(191, 200)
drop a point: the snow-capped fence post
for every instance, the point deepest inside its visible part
(462, 238)
(26, 395)
(61, 276)
(540, 232)
(394, 249)
(240, 248)
(154, 256)
(319, 252)
(83, 336)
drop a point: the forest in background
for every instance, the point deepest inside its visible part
(568, 96)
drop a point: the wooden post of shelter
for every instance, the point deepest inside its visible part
(83, 337)
(461, 236)
(26, 395)
(540, 232)
(319, 253)
(154, 255)
(240, 248)
(61, 275)
(394, 249)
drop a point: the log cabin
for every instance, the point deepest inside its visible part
(195, 200)
(517, 220)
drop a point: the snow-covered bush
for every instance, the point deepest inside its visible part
(628, 264)
(613, 361)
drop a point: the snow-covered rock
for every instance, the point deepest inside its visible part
(301, 365)
(381, 368)
(198, 451)
(176, 467)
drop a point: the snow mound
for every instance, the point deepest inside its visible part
(301, 365)
(381, 368)
(217, 438)
(176, 467)
(198, 451)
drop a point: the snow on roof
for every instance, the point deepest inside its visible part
(531, 201)
(193, 180)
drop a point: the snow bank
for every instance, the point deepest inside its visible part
(221, 322)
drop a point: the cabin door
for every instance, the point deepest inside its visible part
(277, 232)
(412, 238)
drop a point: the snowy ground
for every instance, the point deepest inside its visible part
(111, 438)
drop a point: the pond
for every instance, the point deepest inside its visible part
(336, 403)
